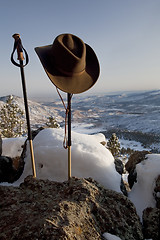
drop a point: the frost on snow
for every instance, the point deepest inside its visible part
(142, 191)
(89, 158)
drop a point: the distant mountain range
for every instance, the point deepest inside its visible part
(132, 115)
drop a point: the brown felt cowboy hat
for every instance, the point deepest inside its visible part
(71, 65)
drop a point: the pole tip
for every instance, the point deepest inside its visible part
(16, 36)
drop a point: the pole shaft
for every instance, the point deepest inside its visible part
(69, 119)
(25, 100)
(69, 135)
(32, 159)
(69, 162)
(27, 118)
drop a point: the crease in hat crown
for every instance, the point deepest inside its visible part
(69, 53)
(71, 65)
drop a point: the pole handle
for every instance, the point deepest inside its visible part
(19, 47)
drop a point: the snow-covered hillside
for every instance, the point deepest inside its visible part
(131, 115)
(37, 111)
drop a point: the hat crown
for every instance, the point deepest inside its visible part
(68, 42)
(68, 54)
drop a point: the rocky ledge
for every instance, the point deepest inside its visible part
(77, 209)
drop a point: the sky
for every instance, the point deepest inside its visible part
(125, 35)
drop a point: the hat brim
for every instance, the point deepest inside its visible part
(70, 84)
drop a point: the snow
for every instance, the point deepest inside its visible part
(142, 192)
(87, 128)
(89, 158)
(132, 144)
(109, 236)
(12, 147)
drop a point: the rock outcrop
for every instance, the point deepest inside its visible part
(135, 158)
(157, 192)
(151, 223)
(7, 171)
(11, 168)
(77, 209)
(151, 215)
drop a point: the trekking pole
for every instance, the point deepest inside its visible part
(18, 46)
